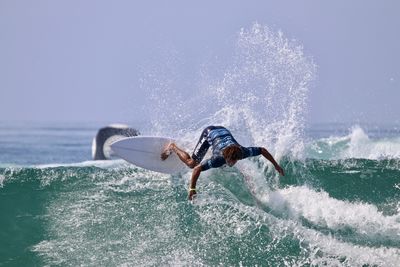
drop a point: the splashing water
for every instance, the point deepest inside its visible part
(356, 144)
(324, 212)
(261, 98)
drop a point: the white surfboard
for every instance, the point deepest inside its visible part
(145, 152)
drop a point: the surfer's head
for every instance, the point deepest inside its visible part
(232, 154)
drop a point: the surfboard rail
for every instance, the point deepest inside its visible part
(145, 152)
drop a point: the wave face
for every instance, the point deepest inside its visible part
(337, 205)
(343, 212)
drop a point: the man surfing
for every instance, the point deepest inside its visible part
(225, 150)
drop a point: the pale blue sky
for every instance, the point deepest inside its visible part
(84, 60)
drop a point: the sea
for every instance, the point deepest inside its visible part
(337, 205)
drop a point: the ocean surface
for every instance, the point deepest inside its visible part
(337, 205)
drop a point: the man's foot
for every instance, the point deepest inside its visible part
(167, 151)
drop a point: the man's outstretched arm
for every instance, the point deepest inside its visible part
(195, 175)
(269, 157)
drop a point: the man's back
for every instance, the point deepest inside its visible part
(219, 138)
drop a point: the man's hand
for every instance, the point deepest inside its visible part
(192, 194)
(280, 170)
(269, 157)
(167, 151)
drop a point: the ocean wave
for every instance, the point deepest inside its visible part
(337, 206)
(84, 211)
(357, 144)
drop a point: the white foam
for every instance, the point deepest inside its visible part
(361, 146)
(292, 204)
(357, 144)
(2, 178)
(142, 180)
(106, 164)
(337, 253)
(322, 210)
(319, 208)
(318, 248)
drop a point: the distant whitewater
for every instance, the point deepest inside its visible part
(356, 144)
(337, 205)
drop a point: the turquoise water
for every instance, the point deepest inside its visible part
(342, 211)
(337, 205)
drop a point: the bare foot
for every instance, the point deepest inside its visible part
(167, 151)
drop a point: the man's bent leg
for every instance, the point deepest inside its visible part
(202, 146)
(183, 156)
(198, 154)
